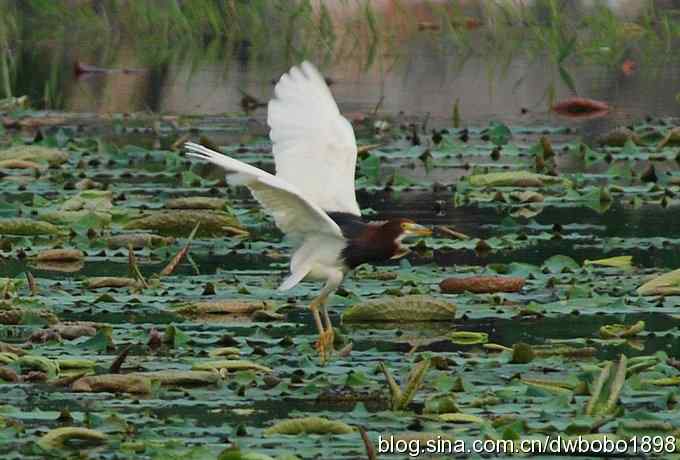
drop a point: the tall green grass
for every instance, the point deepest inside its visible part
(164, 31)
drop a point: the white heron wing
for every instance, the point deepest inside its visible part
(314, 145)
(294, 214)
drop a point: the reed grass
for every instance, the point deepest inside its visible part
(176, 30)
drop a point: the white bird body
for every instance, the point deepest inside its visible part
(319, 239)
(312, 196)
(315, 156)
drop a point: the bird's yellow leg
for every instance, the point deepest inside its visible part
(314, 307)
(326, 335)
(330, 334)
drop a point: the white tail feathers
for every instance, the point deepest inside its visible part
(247, 172)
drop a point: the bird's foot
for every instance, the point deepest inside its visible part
(325, 344)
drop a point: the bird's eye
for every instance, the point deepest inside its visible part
(404, 226)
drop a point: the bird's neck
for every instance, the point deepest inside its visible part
(370, 246)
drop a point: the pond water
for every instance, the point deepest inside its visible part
(503, 68)
(475, 82)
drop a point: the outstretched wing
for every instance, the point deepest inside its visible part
(314, 146)
(294, 214)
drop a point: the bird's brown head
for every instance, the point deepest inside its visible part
(398, 229)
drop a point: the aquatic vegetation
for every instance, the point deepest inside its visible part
(127, 330)
(401, 309)
(168, 33)
(558, 252)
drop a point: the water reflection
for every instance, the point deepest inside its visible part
(494, 70)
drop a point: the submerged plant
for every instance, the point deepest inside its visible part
(402, 396)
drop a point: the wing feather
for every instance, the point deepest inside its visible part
(313, 144)
(295, 214)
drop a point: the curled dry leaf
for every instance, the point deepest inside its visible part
(407, 308)
(482, 284)
(667, 284)
(426, 25)
(515, 179)
(223, 307)
(59, 266)
(572, 352)
(16, 315)
(155, 339)
(377, 275)
(413, 383)
(98, 282)
(63, 331)
(309, 425)
(580, 107)
(45, 335)
(367, 148)
(550, 387)
(76, 329)
(113, 383)
(176, 378)
(182, 222)
(235, 453)
(59, 255)
(197, 202)
(34, 153)
(468, 337)
(75, 363)
(38, 363)
(138, 241)
(9, 104)
(33, 123)
(20, 164)
(58, 438)
(172, 265)
(607, 388)
(616, 262)
(448, 232)
(616, 331)
(88, 184)
(9, 375)
(402, 396)
(230, 365)
(662, 382)
(618, 137)
(672, 138)
(102, 219)
(27, 227)
(89, 200)
(9, 348)
(224, 351)
(628, 67)
(458, 417)
(527, 197)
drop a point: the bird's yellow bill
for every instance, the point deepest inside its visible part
(416, 230)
